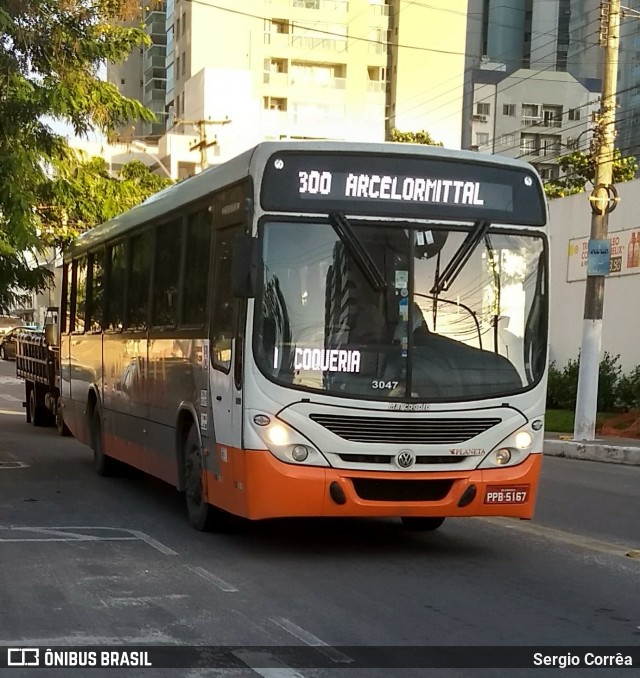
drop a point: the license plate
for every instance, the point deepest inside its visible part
(512, 494)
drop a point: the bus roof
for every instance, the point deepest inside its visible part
(250, 163)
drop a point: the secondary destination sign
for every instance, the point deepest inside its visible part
(399, 185)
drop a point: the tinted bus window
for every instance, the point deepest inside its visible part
(198, 245)
(117, 281)
(80, 294)
(222, 313)
(166, 274)
(138, 299)
(96, 315)
(66, 298)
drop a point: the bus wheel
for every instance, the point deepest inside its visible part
(202, 515)
(103, 464)
(63, 429)
(421, 524)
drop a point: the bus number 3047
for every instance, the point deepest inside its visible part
(384, 384)
(315, 182)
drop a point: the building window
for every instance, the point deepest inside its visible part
(178, 26)
(552, 116)
(184, 23)
(483, 108)
(549, 145)
(509, 109)
(122, 81)
(482, 139)
(528, 144)
(574, 114)
(275, 103)
(530, 114)
(184, 64)
(178, 67)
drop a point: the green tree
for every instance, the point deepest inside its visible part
(579, 169)
(51, 52)
(84, 194)
(420, 137)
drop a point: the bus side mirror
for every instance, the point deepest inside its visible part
(244, 267)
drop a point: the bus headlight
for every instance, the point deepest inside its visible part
(284, 442)
(278, 434)
(502, 456)
(515, 448)
(299, 452)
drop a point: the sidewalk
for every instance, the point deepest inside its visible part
(611, 450)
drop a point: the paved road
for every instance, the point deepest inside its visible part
(87, 560)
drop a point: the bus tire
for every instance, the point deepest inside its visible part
(103, 464)
(37, 413)
(421, 524)
(63, 429)
(202, 515)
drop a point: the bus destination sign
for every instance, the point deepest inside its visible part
(408, 186)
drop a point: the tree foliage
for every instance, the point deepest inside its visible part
(84, 194)
(579, 169)
(51, 52)
(420, 137)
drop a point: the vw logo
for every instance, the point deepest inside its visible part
(405, 459)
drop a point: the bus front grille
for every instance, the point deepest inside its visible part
(387, 459)
(401, 490)
(432, 431)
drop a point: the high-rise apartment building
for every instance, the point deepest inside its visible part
(336, 69)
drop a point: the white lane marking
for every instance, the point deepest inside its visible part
(277, 669)
(15, 413)
(561, 536)
(65, 533)
(10, 381)
(311, 640)
(151, 638)
(154, 543)
(212, 579)
(140, 601)
(5, 465)
(13, 399)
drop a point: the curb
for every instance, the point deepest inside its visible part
(593, 451)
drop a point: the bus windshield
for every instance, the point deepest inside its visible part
(388, 311)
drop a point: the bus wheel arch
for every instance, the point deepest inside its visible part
(202, 515)
(103, 463)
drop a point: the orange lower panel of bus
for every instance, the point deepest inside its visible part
(261, 486)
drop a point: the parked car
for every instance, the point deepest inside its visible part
(8, 341)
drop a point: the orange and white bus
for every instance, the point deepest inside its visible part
(319, 329)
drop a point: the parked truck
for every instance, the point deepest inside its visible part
(38, 363)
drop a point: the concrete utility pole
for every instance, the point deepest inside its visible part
(203, 144)
(603, 200)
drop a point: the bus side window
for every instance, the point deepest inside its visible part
(117, 268)
(139, 279)
(80, 294)
(224, 301)
(198, 251)
(97, 298)
(65, 311)
(167, 274)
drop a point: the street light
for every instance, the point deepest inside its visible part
(138, 145)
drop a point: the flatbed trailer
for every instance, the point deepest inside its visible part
(38, 363)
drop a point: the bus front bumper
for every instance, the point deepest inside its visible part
(274, 489)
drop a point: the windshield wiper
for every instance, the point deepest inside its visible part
(460, 258)
(357, 250)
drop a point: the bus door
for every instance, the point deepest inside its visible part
(226, 348)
